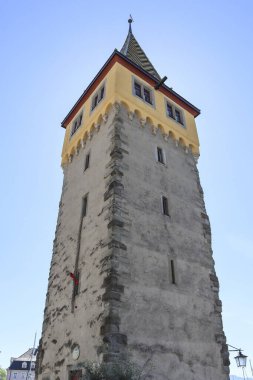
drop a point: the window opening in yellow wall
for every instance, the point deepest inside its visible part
(143, 92)
(97, 97)
(174, 113)
(76, 124)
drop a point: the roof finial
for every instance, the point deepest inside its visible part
(130, 20)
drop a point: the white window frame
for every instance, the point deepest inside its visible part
(174, 109)
(143, 86)
(98, 95)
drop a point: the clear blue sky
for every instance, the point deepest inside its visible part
(50, 51)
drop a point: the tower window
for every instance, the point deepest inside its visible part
(178, 116)
(76, 124)
(172, 272)
(137, 89)
(99, 95)
(170, 110)
(76, 284)
(95, 102)
(147, 95)
(84, 206)
(102, 91)
(87, 161)
(165, 206)
(160, 155)
(143, 92)
(174, 113)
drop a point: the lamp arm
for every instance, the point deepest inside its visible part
(235, 349)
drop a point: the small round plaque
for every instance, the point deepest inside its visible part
(76, 352)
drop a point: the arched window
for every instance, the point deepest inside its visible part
(24, 365)
(33, 365)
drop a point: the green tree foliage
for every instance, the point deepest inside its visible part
(111, 371)
(2, 374)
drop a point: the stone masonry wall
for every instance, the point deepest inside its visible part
(87, 318)
(128, 305)
(176, 329)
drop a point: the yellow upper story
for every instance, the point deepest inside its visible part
(123, 86)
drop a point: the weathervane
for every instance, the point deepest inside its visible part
(130, 20)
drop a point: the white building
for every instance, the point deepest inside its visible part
(23, 367)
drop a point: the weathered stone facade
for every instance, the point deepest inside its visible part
(127, 305)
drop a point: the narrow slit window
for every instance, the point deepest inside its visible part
(84, 206)
(160, 156)
(76, 284)
(87, 161)
(172, 271)
(165, 206)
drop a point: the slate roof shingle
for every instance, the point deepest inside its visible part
(132, 50)
(16, 363)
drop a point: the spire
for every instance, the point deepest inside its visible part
(130, 20)
(132, 50)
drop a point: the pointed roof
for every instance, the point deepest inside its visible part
(132, 50)
(27, 355)
(133, 57)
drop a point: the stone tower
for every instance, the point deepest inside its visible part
(132, 274)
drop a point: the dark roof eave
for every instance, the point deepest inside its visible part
(89, 86)
(157, 81)
(198, 111)
(116, 52)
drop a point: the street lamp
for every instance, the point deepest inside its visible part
(241, 359)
